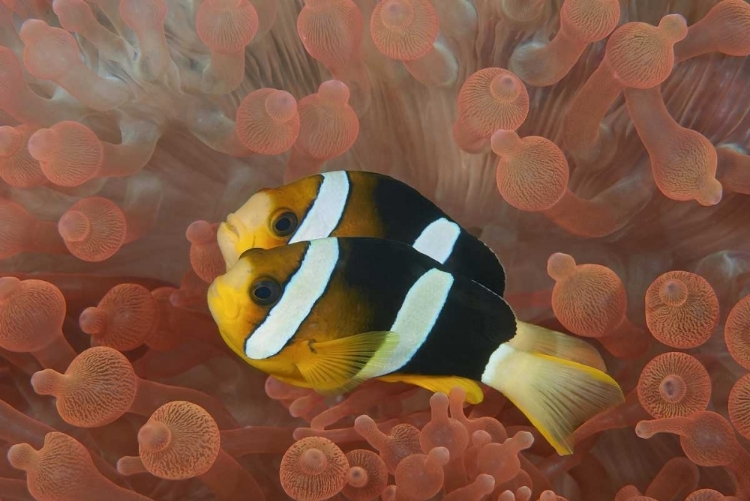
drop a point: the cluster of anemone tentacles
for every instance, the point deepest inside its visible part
(599, 147)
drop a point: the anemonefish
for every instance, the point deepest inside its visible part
(357, 204)
(330, 313)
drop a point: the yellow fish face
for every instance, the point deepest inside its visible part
(241, 299)
(268, 219)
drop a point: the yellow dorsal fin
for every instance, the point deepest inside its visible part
(332, 367)
(474, 393)
(556, 395)
(556, 344)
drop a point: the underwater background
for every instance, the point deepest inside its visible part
(615, 194)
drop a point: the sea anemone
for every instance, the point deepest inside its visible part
(598, 147)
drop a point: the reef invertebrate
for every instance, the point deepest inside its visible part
(181, 440)
(737, 332)
(100, 385)
(532, 173)
(490, 99)
(681, 309)
(129, 129)
(581, 22)
(62, 470)
(674, 384)
(314, 468)
(17, 166)
(591, 301)
(24, 330)
(367, 477)
(126, 316)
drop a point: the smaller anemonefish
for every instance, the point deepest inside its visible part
(331, 313)
(357, 204)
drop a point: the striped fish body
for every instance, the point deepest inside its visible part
(358, 204)
(340, 287)
(331, 313)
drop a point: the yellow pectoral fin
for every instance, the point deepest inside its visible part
(333, 367)
(444, 384)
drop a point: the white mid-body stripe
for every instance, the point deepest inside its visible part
(438, 239)
(305, 287)
(415, 320)
(491, 374)
(326, 210)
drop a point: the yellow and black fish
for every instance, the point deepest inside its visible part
(330, 313)
(357, 204)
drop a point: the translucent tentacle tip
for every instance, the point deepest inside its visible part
(8, 287)
(334, 91)
(281, 106)
(560, 266)
(200, 233)
(74, 226)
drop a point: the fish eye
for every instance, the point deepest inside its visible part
(285, 223)
(265, 291)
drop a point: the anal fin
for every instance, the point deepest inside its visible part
(556, 395)
(332, 367)
(534, 338)
(444, 384)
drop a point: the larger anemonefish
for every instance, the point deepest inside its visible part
(331, 313)
(357, 204)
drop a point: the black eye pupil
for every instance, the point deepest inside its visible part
(283, 224)
(263, 292)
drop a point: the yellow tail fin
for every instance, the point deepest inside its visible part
(556, 395)
(556, 344)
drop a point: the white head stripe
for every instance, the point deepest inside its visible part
(297, 300)
(415, 320)
(438, 239)
(326, 210)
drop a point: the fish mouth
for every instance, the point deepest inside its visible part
(228, 237)
(212, 298)
(234, 238)
(233, 224)
(213, 294)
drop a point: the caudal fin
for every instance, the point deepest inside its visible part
(556, 395)
(531, 337)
